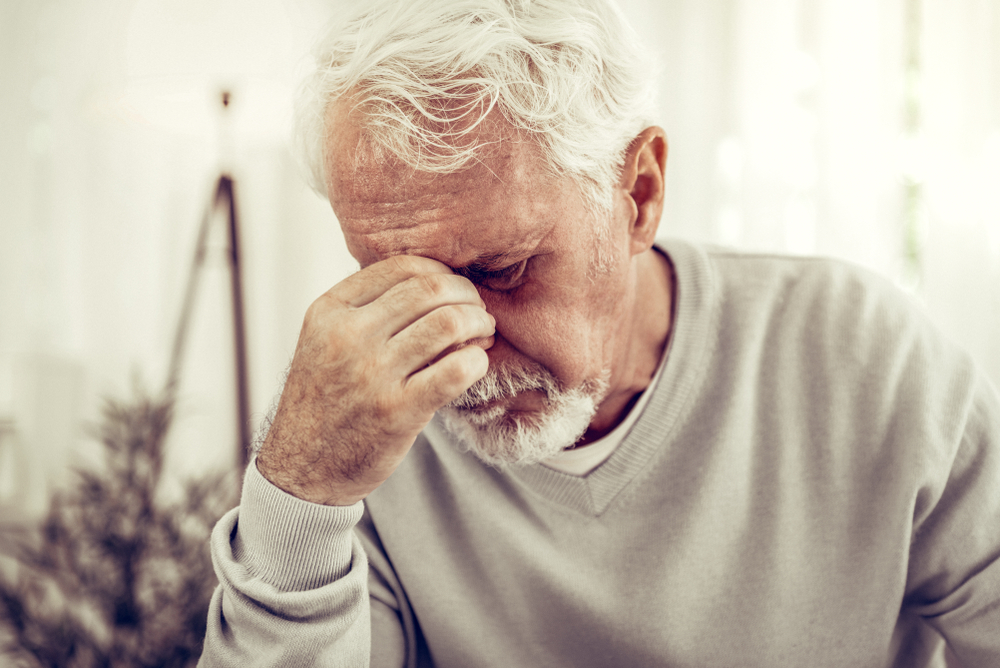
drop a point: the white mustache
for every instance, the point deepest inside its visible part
(499, 438)
(504, 382)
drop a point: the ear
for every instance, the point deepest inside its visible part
(642, 181)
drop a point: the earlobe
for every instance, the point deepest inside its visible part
(643, 181)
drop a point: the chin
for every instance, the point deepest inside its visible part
(499, 436)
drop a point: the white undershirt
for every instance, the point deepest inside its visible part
(581, 461)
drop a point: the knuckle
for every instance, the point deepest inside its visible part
(458, 374)
(316, 307)
(325, 303)
(318, 320)
(398, 263)
(430, 286)
(315, 312)
(454, 373)
(448, 322)
(456, 370)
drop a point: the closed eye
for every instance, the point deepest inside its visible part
(499, 280)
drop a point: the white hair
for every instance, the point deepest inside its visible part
(568, 74)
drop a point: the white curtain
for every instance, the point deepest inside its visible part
(794, 125)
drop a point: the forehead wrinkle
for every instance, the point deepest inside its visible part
(485, 214)
(385, 209)
(380, 244)
(385, 217)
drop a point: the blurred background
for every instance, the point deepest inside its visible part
(863, 129)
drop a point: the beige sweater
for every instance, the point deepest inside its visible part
(815, 481)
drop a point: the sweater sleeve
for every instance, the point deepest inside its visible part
(293, 587)
(954, 576)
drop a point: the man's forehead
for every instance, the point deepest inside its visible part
(483, 214)
(454, 215)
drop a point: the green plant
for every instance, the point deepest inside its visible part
(112, 576)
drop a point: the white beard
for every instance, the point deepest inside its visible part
(498, 437)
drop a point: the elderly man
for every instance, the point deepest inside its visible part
(523, 434)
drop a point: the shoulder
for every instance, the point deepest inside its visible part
(819, 296)
(829, 306)
(845, 336)
(818, 284)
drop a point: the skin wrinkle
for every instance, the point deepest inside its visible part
(453, 219)
(426, 217)
(391, 198)
(526, 128)
(585, 329)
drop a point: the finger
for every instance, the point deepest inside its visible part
(484, 342)
(420, 343)
(370, 283)
(407, 302)
(443, 381)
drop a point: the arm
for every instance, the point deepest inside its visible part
(292, 583)
(954, 580)
(302, 595)
(377, 356)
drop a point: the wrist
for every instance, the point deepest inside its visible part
(312, 488)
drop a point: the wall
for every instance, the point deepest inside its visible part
(787, 132)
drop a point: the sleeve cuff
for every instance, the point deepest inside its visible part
(291, 544)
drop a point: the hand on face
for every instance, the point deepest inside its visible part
(368, 375)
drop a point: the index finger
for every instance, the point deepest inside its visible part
(370, 283)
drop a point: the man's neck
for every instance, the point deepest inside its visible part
(652, 321)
